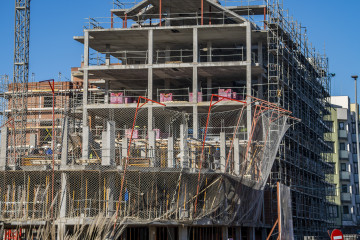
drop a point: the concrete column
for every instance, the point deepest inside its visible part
(4, 146)
(236, 156)
(33, 140)
(248, 77)
(152, 233)
(86, 77)
(154, 162)
(150, 117)
(195, 84)
(222, 151)
(195, 122)
(225, 233)
(184, 157)
(111, 202)
(183, 233)
(260, 88)
(263, 234)
(107, 55)
(61, 230)
(260, 53)
(108, 144)
(171, 163)
(106, 99)
(2, 230)
(124, 151)
(150, 61)
(208, 86)
(195, 45)
(167, 54)
(209, 51)
(238, 233)
(65, 142)
(86, 142)
(251, 233)
(63, 199)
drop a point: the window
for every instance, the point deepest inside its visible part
(341, 126)
(344, 188)
(345, 209)
(343, 167)
(342, 146)
(356, 188)
(48, 101)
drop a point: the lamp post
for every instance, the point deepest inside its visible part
(355, 77)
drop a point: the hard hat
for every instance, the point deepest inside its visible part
(31, 146)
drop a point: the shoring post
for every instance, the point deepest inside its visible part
(112, 20)
(160, 11)
(202, 12)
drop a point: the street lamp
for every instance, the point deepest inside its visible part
(355, 77)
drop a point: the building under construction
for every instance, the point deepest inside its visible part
(186, 116)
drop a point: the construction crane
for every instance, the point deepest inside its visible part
(20, 81)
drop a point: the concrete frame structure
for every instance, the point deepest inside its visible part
(226, 52)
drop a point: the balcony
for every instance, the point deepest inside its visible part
(343, 134)
(343, 154)
(345, 176)
(346, 197)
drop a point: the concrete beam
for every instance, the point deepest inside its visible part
(4, 146)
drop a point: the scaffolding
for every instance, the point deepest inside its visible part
(188, 124)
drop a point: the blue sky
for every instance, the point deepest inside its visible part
(330, 24)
